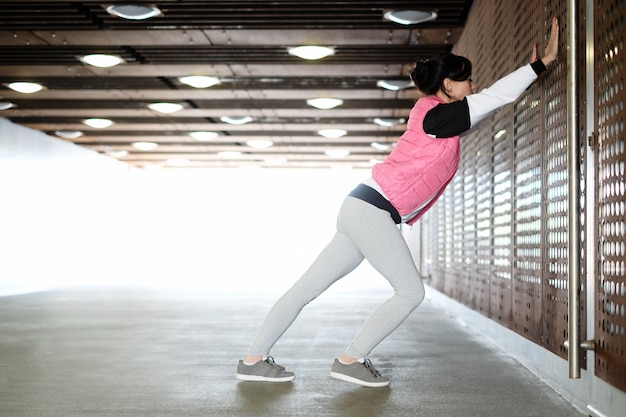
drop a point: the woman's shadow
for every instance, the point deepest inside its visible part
(262, 398)
(361, 402)
(259, 396)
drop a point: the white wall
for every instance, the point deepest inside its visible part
(54, 197)
(71, 217)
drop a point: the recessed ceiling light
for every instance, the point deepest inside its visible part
(165, 107)
(204, 135)
(324, 103)
(25, 87)
(5, 105)
(117, 154)
(102, 60)
(145, 146)
(178, 162)
(98, 123)
(260, 143)
(275, 161)
(236, 120)
(229, 154)
(381, 146)
(332, 133)
(153, 167)
(388, 121)
(311, 51)
(394, 85)
(133, 11)
(69, 134)
(337, 153)
(199, 81)
(409, 17)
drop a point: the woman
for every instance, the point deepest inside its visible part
(401, 190)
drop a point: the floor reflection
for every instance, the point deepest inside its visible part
(259, 396)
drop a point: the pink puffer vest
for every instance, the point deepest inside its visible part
(420, 167)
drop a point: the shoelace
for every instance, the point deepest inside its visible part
(270, 362)
(368, 364)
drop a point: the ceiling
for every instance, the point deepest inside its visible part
(244, 43)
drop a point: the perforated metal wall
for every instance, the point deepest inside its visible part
(498, 239)
(610, 308)
(501, 227)
(555, 219)
(501, 190)
(528, 183)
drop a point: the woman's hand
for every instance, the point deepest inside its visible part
(552, 49)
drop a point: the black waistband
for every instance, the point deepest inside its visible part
(370, 195)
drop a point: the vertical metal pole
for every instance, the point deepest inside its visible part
(573, 171)
(590, 178)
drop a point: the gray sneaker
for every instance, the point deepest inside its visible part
(264, 371)
(362, 373)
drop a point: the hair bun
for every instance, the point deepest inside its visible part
(421, 75)
(428, 75)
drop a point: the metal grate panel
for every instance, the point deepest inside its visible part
(475, 177)
(610, 309)
(508, 201)
(527, 187)
(555, 220)
(527, 233)
(501, 191)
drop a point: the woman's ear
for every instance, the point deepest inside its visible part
(446, 86)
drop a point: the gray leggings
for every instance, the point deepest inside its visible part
(363, 232)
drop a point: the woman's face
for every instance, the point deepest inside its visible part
(458, 90)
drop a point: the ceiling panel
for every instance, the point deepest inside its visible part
(243, 43)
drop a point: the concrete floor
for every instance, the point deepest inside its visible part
(147, 353)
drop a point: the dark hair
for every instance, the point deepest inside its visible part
(428, 75)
